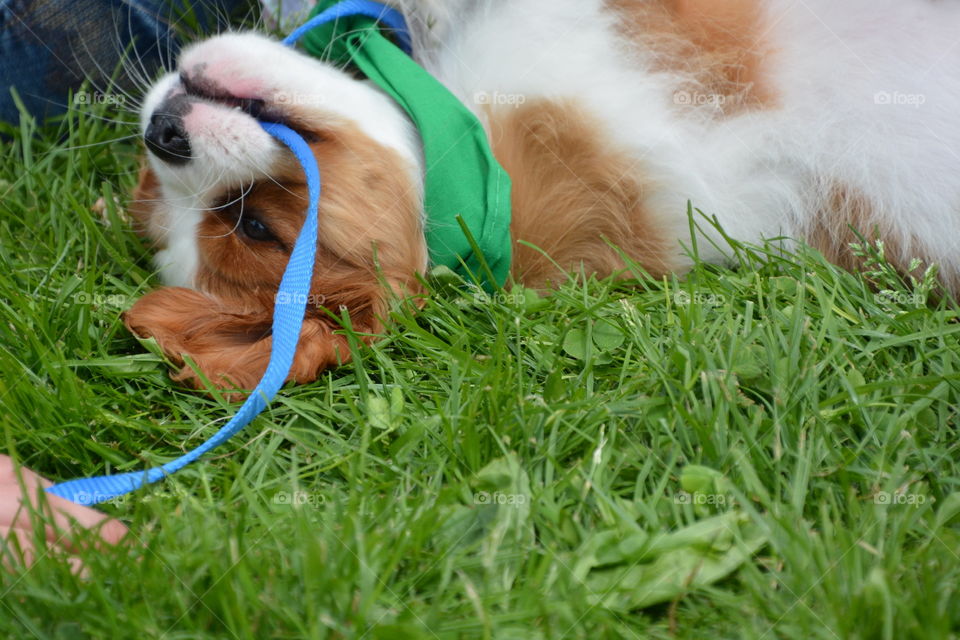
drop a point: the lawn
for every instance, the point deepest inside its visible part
(769, 451)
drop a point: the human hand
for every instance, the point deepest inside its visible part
(62, 518)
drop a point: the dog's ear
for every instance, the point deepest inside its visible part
(228, 343)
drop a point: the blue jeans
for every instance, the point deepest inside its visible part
(48, 47)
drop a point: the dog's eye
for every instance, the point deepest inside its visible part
(256, 230)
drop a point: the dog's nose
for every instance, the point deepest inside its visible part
(167, 138)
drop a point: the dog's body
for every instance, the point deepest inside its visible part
(780, 117)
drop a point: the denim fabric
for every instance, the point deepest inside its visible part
(48, 47)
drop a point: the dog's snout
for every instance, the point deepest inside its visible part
(167, 138)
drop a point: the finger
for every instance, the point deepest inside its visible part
(16, 548)
(61, 513)
(11, 474)
(64, 512)
(17, 551)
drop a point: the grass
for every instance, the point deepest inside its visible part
(764, 452)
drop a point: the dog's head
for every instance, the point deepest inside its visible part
(224, 202)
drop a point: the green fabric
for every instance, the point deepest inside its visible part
(462, 176)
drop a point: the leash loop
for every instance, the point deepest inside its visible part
(388, 16)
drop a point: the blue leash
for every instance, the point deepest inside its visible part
(376, 10)
(294, 290)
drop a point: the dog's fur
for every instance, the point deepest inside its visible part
(780, 117)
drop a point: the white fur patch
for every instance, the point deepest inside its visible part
(867, 94)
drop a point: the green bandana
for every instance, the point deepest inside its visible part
(462, 176)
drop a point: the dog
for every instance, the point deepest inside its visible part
(814, 120)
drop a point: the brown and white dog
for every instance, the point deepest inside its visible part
(798, 118)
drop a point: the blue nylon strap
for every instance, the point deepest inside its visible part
(289, 308)
(376, 10)
(291, 301)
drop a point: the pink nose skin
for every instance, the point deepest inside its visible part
(226, 76)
